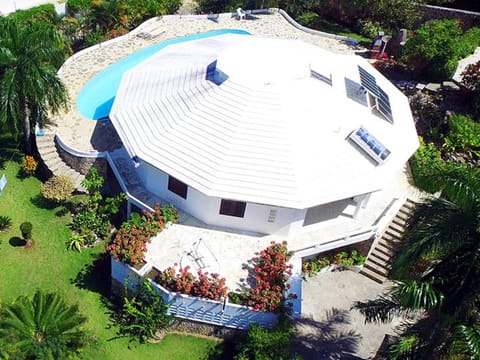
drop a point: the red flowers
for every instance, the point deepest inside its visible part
(271, 275)
(209, 286)
(130, 242)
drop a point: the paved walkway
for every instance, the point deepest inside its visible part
(328, 328)
(88, 135)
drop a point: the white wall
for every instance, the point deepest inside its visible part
(206, 208)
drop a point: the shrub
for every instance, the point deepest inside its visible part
(144, 313)
(427, 113)
(271, 273)
(169, 213)
(130, 242)
(93, 181)
(471, 81)
(204, 285)
(76, 242)
(464, 135)
(57, 188)
(368, 28)
(425, 163)
(313, 266)
(26, 230)
(268, 344)
(437, 46)
(5, 222)
(29, 166)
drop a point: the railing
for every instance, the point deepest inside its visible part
(349, 239)
(194, 308)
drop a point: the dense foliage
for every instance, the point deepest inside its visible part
(313, 266)
(90, 22)
(57, 188)
(41, 327)
(143, 313)
(30, 55)
(91, 219)
(270, 275)
(204, 285)
(130, 242)
(437, 46)
(268, 344)
(437, 272)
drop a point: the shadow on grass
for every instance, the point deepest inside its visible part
(42, 203)
(17, 242)
(95, 276)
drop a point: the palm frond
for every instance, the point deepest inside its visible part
(466, 341)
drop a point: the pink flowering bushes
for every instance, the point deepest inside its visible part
(204, 285)
(271, 272)
(130, 242)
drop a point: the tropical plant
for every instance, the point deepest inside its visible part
(57, 188)
(93, 181)
(42, 327)
(268, 344)
(437, 273)
(169, 213)
(143, 313)
(29, 86)
(29, 166)
(76, 242)
(5, 222)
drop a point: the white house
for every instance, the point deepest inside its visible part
(262, 134)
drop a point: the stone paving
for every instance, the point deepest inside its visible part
(328, 328)
(77, 131)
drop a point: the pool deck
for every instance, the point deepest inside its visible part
(83, 134)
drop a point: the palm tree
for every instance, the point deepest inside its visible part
(437, 273)
(44, 327)
(29, 86)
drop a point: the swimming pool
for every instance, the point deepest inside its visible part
(96, 98)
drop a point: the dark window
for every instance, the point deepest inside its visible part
(177, 187)
(232, 208)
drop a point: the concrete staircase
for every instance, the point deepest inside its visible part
(377, 265)
(47, 149)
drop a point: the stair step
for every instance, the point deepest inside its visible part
(410, 204)
(380, 255)
(398, 221)
(378, 261)
(375, 268)
(391, 239)
(398, 228)
(50, 156)
(394, 233)
(385, 247)
(372, 275)
(405, 211)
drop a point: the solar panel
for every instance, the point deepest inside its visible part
(356, 92)
(215, 75)
(383, 103)
(372, 147)
(368, 81)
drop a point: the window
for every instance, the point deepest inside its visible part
(232, 208)
(177, 187)
(368, 143)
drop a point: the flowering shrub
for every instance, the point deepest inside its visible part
(29, 165)
(130, 242)
(271, 273)
(205, 285)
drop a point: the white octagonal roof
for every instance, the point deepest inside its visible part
(240, 117)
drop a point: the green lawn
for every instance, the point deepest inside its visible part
(338, 29)
(81, 277)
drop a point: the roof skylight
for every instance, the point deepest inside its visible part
(368, 143)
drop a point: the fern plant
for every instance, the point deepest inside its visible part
(5, 222)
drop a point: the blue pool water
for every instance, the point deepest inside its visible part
(96, 98)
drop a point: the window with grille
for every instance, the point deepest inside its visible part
(232, 208)
(177, 187)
